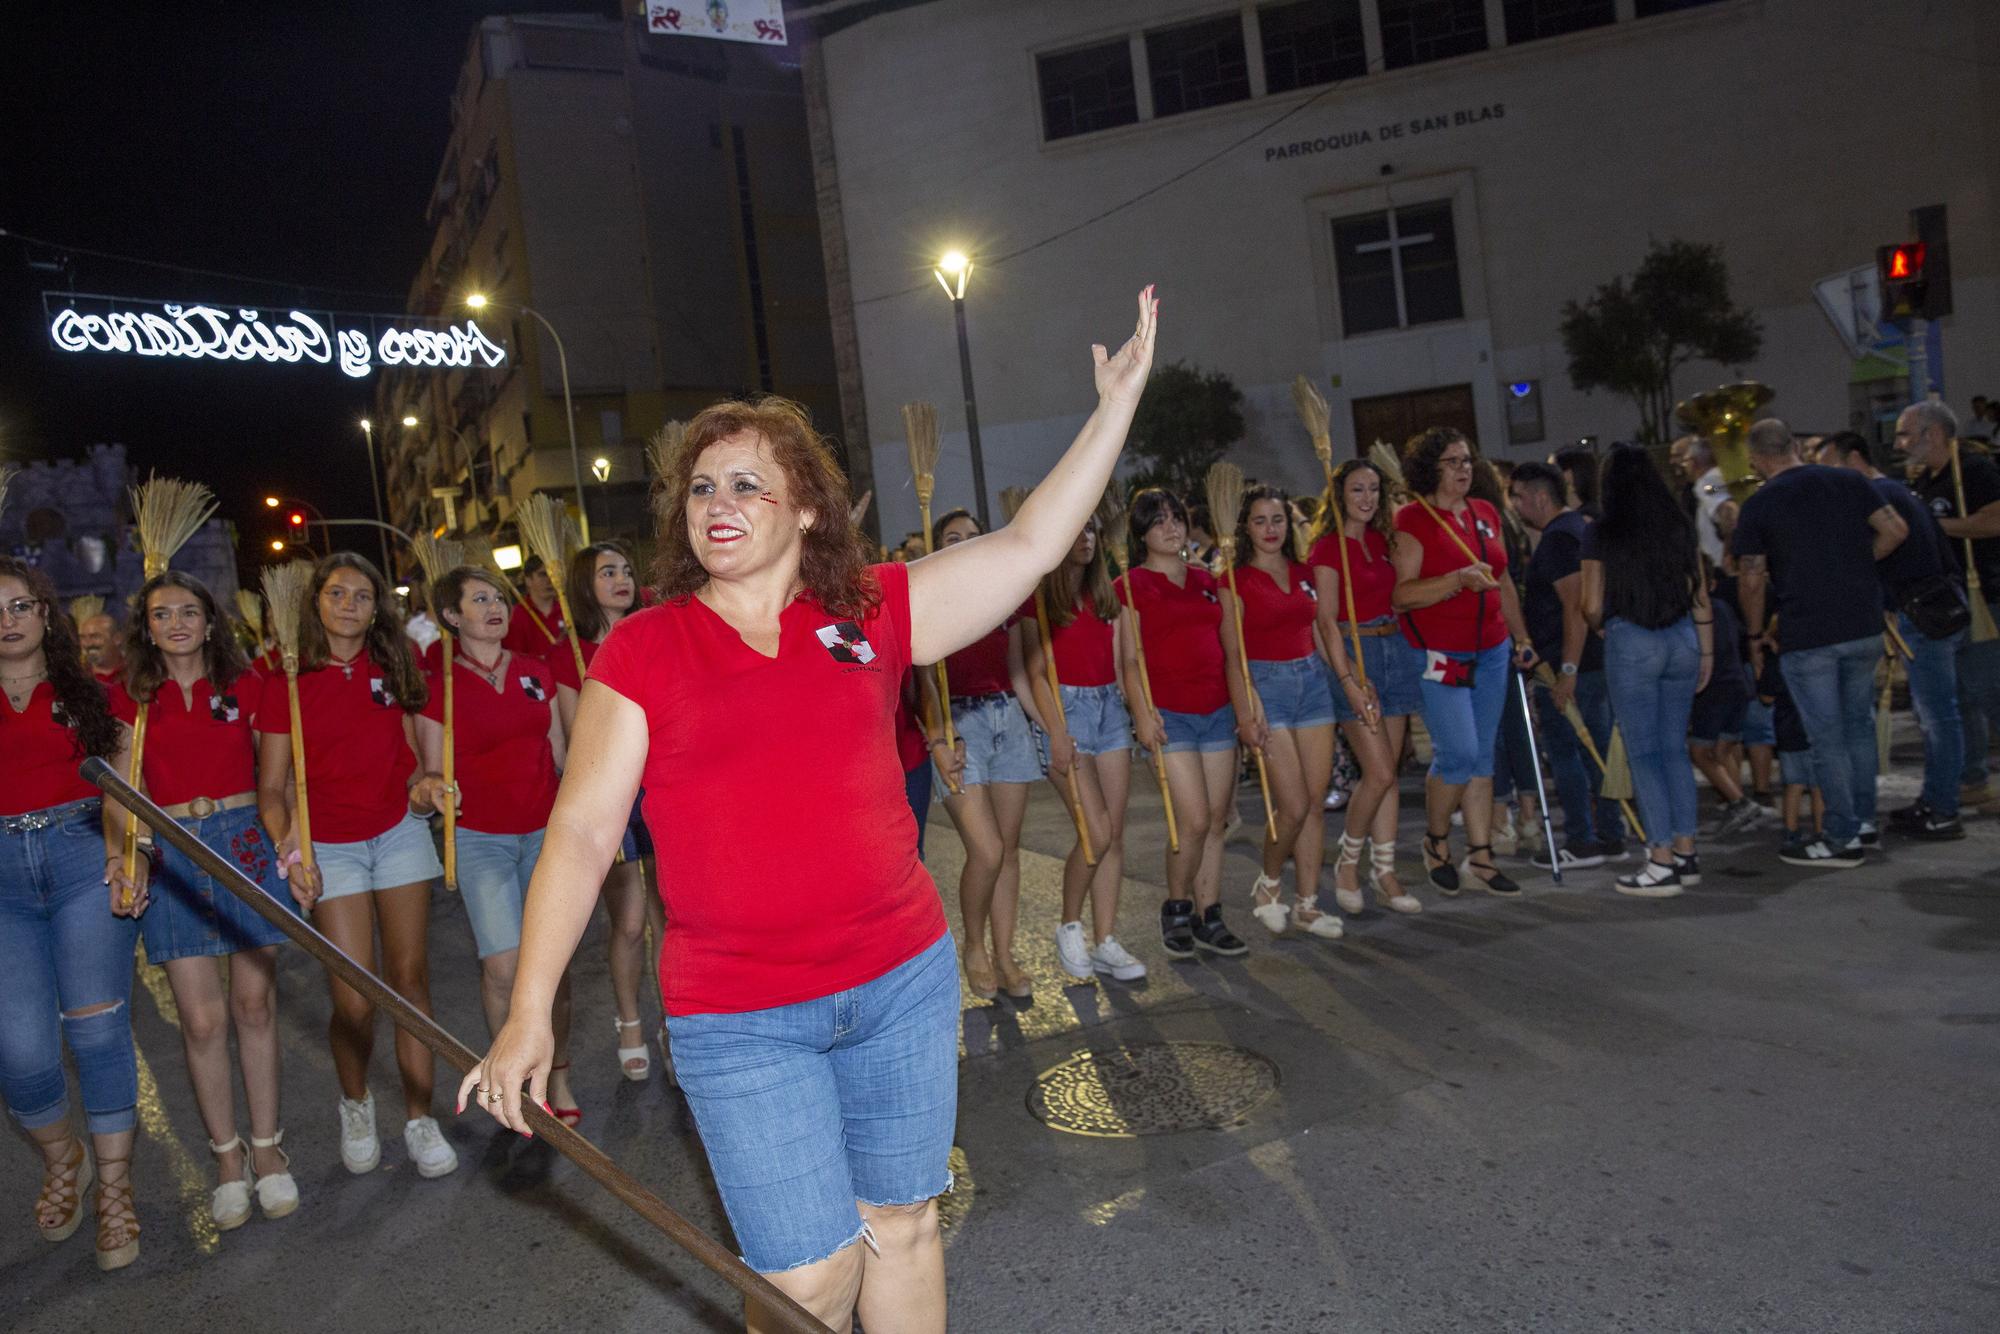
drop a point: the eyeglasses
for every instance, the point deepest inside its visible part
(1455, 461)
(21, 609)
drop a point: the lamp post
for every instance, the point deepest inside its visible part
(479, 301)
(375, 485)
(952, 271)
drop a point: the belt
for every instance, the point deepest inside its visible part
(978, 701)
(203, 807)
(1374, 631)
(42, 819)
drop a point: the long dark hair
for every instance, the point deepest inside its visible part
(386, 642)
(1062, 591)
(1333, 506)
(1646, 542)
(1149, 505)
(1251, 495)
(591, 622)
(222, 657)
(84, 708)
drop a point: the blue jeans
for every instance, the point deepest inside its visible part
(62, 951)
(1586, 818)
(1978, 700)
(918, 784)
(1834, 689)
(1463, 722)
(1652, 675)
(1934, 695)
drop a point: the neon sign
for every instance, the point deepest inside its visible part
(356, 343)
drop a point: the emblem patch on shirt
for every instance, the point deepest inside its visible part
(1209, 593)
(844, 640)
(378, 690)
(1485, 529)
(1941, 506)
(532, 688)
(223, 708)
(1306, 587)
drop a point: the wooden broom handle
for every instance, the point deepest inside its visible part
(131, 848)
(450, 768)
(1958, 486)
(1055, 689)
(1347, 590)
(1243, 661)
(302, 815)
(1146, 690)
(943, 680)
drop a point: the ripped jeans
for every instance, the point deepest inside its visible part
(62, 952)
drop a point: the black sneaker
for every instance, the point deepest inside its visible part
(1870, 837)
(1575, 857)
(1905, 818)
(1688, 868)
(1822, 854)
(1613, 849)
(1654, 880)
(1936, 829)
(1215, 937)
(1177, 928)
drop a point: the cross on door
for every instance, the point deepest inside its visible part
(1395, 245)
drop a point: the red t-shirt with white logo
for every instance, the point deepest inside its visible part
(787, 851)
(1181, 628)
(358, 759)
(1458, 624)
(1373, 571)
(40, 769)
(505, 767)
(1277, 621)
(534, 632)
(200, 746)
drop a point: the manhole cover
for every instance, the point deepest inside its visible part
(1152, 1088)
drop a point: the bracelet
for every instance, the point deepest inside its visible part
(937, 741)
(1348, 677)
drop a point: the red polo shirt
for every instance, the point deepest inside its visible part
(562, 662)
(41, 757)
(787, 851)
(1083, 647)
(1277, 619)
(1457, 624)
(505, 768)
(1181, 627)
(980, 668)
(201, 747)
(358, 760)
(1374, 574)
(530, 631)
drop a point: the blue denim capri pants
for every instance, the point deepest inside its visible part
(1463, 721)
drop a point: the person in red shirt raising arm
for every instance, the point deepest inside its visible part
(807, 972)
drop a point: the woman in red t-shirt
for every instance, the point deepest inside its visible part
(1092, 732)
(65, 943)
(808, 975)
(370, 807)
(1373, 704)
(603, 590)
(1179, 608)
(507, 748)
(993, 765)
(536, 627)
(200, 764)
(1458, 612)
(1289, 714)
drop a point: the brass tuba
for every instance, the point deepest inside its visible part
(1722, 417)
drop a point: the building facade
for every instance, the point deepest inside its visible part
(1393, 197)
(651, 199)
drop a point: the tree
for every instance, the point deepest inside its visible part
(1186, 422)
(1631, 336)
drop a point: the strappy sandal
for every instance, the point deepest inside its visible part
(229, 1206)
(1493, 881)
(1437, 862)
(569, 1116)
(1015, 981)
(1382, 879)
(1316, 923)
(117, 1220)
(635, 1063)
(980, 978)
(1348, 859)
(63, 1184)
(1272, 915)
(277, 1192)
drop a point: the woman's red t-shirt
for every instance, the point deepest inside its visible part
(1457, 624)
(202, 748)
(787, 850)
(534, 632)
(1277, 621)
(505, 767)
(1374, 574)
(1181, 628)
(358, 758)
(563, 664)
(1083, 647)
(980, 668)
(40, 770)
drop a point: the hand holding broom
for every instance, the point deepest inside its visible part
(436, 558)
(1118, 542)
(1011, 500)
(1333, 517)
(285, 590)
(1225, 499)
(920, 423)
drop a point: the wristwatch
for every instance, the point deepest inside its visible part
(1569, 669)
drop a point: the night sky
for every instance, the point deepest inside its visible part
(288, 142)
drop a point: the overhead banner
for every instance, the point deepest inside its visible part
(761, 21)
(195, 332)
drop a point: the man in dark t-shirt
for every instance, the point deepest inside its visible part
(1926, 432)
(1812, 536)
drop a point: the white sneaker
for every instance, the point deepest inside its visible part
(1113, 958)
(360, 1146)
(427, 1148)
(1073, 950)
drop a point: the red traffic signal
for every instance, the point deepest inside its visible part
(1901, 271)
(296, 519)
(1905, 262)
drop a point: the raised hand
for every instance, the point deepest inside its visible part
(1121, 377)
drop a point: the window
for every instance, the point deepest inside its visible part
(1530, 19)
(1197, 65)
(1309, 42)
(1417, 31)
(1087, 90)
(1524, 413)
(1648, 8)
(1397, 268)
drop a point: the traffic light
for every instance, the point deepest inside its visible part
(1901, 271)
(296, 521)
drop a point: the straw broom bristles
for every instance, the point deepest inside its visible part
(665, 447)
(6, 480)
(1314, 413)
(1111, 527)
(83, 608)
(251, 608)
(285, 591)
(167, 512)
(1390, 465)
(1011, 500)
(545, 528)
(1224, 485)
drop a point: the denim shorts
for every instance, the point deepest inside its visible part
(1758, 729)
(638, 840)
(1795, 768)
(1394, 669)
(1202, 732)
(1294, 693)
(402, 855)
(188, 914)
(806, 1109)
(1097, 721)
(999, 745)
(493, 875)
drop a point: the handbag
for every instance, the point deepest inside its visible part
(1439, 666)
(1936, 605)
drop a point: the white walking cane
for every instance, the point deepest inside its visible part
(1541, 788)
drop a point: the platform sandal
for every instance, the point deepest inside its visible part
(1272, 915)
(117, 1220)
(1488, 876)
(635, 1063)
(277, 1192)
(229, 1206)
(63, 1184)
(1389, 893)
(1437, 862)
(1349, 856)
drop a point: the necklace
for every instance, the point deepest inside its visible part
(347, 667)
(491, 675)
(31, 676)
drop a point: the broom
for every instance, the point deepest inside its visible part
(545, 528)
(285, 590)
(436, 558)
(250, 608)
(1621, 791)
(83, 608)
(1119, 543)
(166, 512)
(1390, 465)
(1224, 485)
(665, 447)
(1011, 500)
(1983, 628)
(920, 423)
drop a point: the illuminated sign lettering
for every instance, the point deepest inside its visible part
(761, 21)
(355, 343)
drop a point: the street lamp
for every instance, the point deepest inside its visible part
(952, 271)
(375, 487)
(479, 301)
